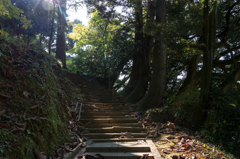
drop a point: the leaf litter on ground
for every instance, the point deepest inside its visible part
(174, 142)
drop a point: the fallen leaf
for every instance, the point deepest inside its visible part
(165, 151)
(17, 128)
(21, 125)
(171, 125)
(200, 148)
(234, 105)
(189, 151)
(185, 145)
(6, 96)
(9, 74)
(15, 143)
(33, 118)
(4, 125)
(43, 118)
(194, 157)
(39, 155)
(26, 94)
(35, 106)
(2, 112)
(172, 147)
(52, 75)
(38, 122)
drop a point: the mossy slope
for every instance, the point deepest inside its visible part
(34, 98)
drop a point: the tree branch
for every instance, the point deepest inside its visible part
(224, 53)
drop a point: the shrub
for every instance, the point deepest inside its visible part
(223, 123)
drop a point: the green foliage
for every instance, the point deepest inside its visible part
(222, 126)
(100, 46)
(11, 11)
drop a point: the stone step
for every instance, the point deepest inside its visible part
(99, 125)
(122, 155)
(112, 130)
(103, 104)
(104, 116)
(97, 98)
(106, 106)
(115, 129)
(118, 147)
(106, 97)
(103, 113)
(109, 120)
(117, 139)
(113, 135)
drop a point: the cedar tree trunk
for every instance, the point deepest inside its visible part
(61, 41)
(154, 97)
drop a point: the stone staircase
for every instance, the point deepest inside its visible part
(109, 126)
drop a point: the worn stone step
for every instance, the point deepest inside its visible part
(104, 116)
(108, 107)
(87, 87)
(113, 135)
(99, 125)
(118, 139)
(118, 147)
(109, 120)
(103, 113)
(92, 102)
(97, 94)
(104, 108)
(105, 105)
(105, 102)
(122, 155)
(115, 129)
(98, 98)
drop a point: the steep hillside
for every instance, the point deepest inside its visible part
(34, 100)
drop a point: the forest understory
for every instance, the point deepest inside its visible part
(175, 61)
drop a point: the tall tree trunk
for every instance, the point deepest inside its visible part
(117, 71)
(231, 80)
(40, 40)
(145, 55)
(208, 50)
(134, 76)
(154, 97)
(189, 82)
(61, 41)
(51, 31)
